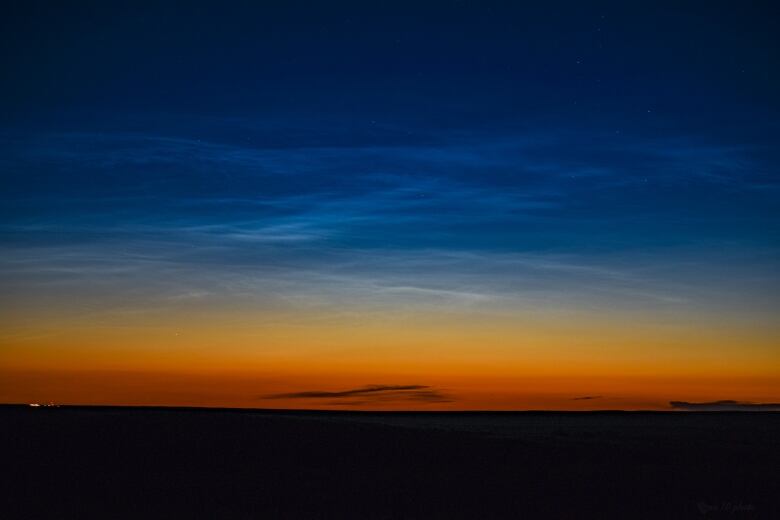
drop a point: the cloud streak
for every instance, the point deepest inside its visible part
(371, 394)
(726, 406)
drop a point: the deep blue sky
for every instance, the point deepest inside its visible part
(610, 153)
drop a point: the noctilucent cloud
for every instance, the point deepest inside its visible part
(437, 205)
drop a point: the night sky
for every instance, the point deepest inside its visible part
(433, 205)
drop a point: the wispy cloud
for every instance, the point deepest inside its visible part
(472, 220)
(586, 398)
(168, 269)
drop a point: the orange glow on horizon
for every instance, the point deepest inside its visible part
(541, 361)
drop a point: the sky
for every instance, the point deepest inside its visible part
(390, 205)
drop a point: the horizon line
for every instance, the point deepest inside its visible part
(365, 411)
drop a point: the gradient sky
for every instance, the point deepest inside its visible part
(387, 205)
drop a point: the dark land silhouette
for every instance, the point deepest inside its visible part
(109, 462)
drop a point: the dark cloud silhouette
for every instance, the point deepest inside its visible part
(725, 405)
(370, 394)
(369, 389)
(586, 397)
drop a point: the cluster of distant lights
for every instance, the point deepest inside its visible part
(44, 405)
